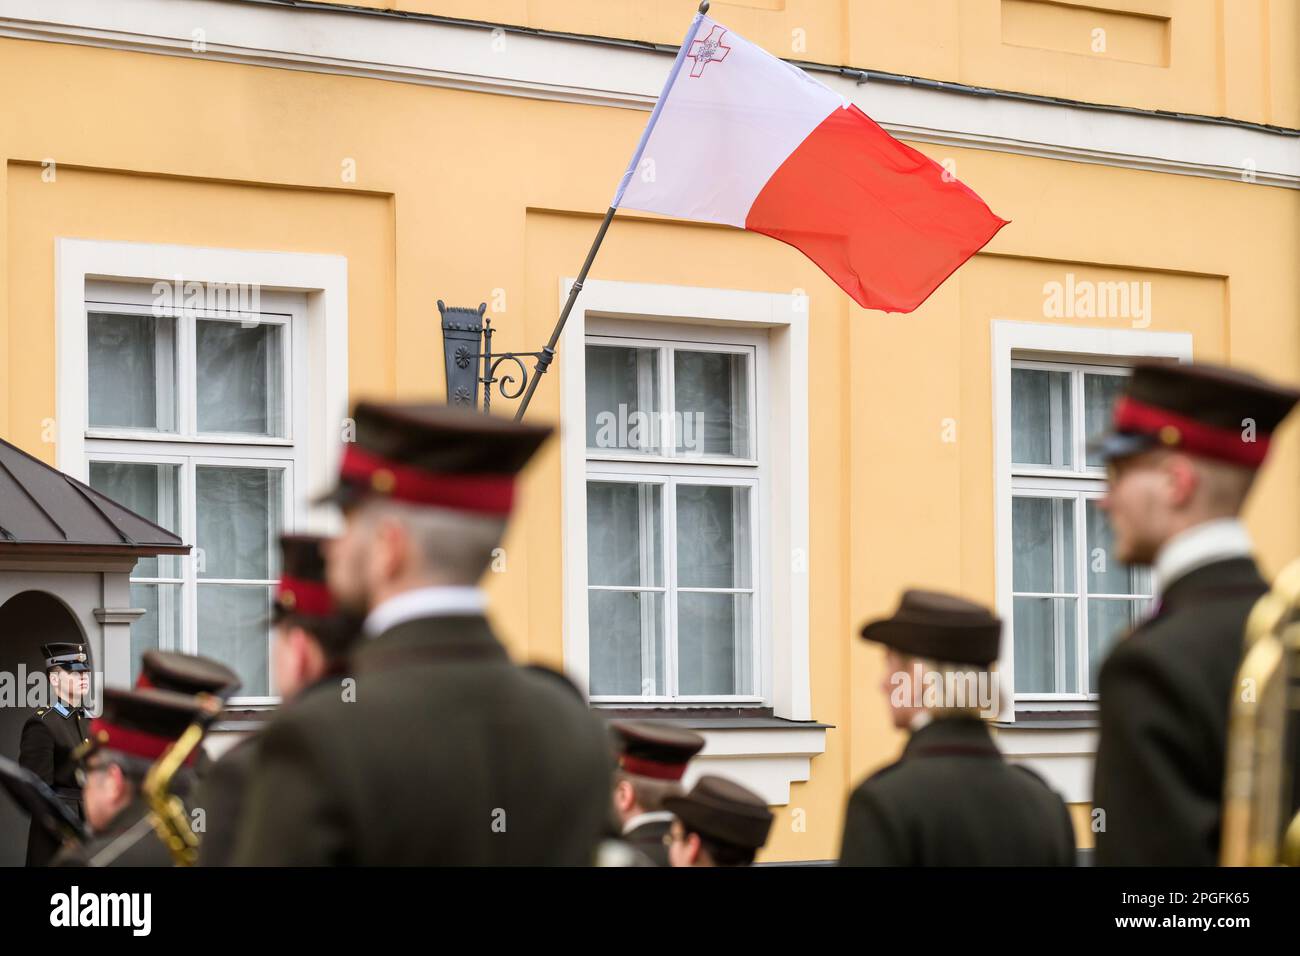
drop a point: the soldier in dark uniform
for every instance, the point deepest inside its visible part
(445, 752)
(34, 797)
(135, 729)
(311, 644)
(652, 759)
(719, 823)
(51, 735)
(1186, 443)
(951, 799)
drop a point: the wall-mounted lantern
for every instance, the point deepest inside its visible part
(470, 362)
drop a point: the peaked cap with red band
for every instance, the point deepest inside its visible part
(435, 455)
(1206, 410)
(302, 591)
(303, 598)
(143, 723)
(186, 674)
(657, 751)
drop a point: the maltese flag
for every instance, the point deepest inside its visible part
(743, 138)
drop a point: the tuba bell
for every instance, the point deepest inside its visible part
(1261, 826)
(166, 810)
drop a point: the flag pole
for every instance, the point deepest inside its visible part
(547, 354)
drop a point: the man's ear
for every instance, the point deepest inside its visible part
(624, 796)
(118, 780)
(694, 847)
(394, 543)
(307, 649)
(1184, 479)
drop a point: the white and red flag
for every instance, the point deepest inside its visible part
(743, 138)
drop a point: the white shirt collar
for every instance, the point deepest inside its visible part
(641, 819)
(923, 719)
(1200, 545)
(425, 602)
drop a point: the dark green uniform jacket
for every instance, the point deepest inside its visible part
(129, 840)
(951, 800)
(648, 838)
(1165, 692)
(450, 754)
(220, 795)
(48, 739)
(223, 787)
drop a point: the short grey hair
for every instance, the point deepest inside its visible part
(1225, 485)
(456, 545)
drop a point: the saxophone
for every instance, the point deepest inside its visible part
(1260, 824)
(167, 812)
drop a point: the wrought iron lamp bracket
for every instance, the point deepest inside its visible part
(470, 370)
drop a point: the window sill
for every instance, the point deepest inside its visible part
(1057, 745)
(658, 711)
(1046, 717)
(1032, 721)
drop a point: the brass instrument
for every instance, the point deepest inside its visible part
(1260, 823)
(167, 812)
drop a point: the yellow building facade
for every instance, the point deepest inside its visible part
(356, 165)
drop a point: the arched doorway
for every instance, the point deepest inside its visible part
(27, 621)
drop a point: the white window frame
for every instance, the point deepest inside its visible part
(1078, 484)
(1027, 342)
(776, 325)
(309, 290)
(673, 339)
(669, 470)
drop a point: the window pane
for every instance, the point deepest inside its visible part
(1108, 621)
(714, 644)
(1045, 645)
(1099, 395)
(624, 534)
(238, 519)
(151, 491)
(1040, 418)
(1106, 573)
(234, 629)
(711, 392)
(131, 364)
(160, 627)
(240, 371)
(713, 532)
(622, 399)
(1042, 542)
(627, 642)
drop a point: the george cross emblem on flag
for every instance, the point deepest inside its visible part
(709, 50)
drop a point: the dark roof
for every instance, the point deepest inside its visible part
(42, 510)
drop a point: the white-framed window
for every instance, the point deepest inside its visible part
(217, 414)
(1071, 597)
(191, 416)
(1062, 595)
(686, 542)
(673, 493)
